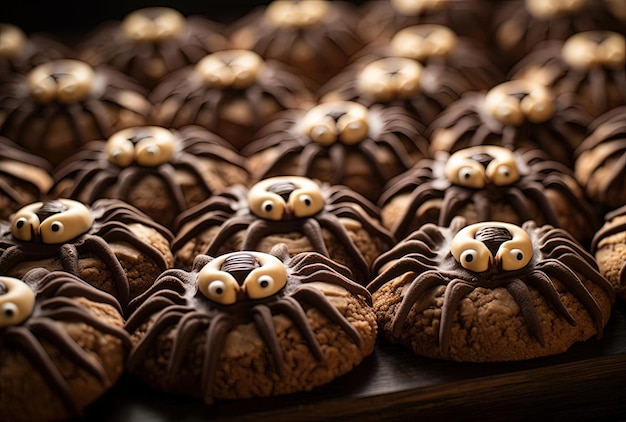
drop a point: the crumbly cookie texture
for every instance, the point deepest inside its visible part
(66, 354)
(250, 324)
(609, 248)
(490, 292)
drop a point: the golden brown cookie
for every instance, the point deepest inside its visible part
(151, 42)
(315, 38)
(110, 244)
(62, 104)
(160, 171)
(339, 142)
(609, 248)
(232, 93)
(485, 183)
(303, 213)
(250, 324)
(489, 291)
(62, 345)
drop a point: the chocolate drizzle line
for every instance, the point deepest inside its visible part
(181, 307)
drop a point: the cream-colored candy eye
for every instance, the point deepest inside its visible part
(266, 280)
(548, 9)
(474, 260)
(504, 175)
(306, 204)
(472, 177)
(504, 108)
(537, 108)
(352, 128)
(156, 149)
(12, 40)
(120, 151)
(390, 77)
(25, 223)
(221, 292)
(16, 303)
(612, 52)
(270, 207)
(516, 253)
(324, 132)
(66, 225)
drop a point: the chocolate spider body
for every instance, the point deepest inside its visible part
(118, 167)
(609, 248)
(282, 206)
(203, 306)
(491, 255)
(65, 232)
(486, 183)
(56, 302)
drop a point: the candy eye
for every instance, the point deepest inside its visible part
(505, 175)
(20, 222)
(23, 228)
(155, 150)
(267, 206)
(263, 286)
(473, 260)
(514, 259)
(307, 204)
(470, 177)
(9, 310)
(537, 109)
(218, 291)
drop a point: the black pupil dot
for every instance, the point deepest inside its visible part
(268, 207)
(307, 202)
(219, 290)
(520, 256)
(20, 224)
(264, 283)
(469, 258)
(466, 175)
(9, 312)
(55, 227)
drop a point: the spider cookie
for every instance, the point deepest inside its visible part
(62, 104)
(489, 291)
(521, 25)
(590, 65)
(62, 345)
(515, 114)
(250, 324)
(600, 164)
(24, 177)
(305, 214)
(487, 183)
(339, 142)
(110, 244)
(160, 171)
(315, 38)
(382, 19)
(609, 249)
(19, 53)
(232, 93)
(151, 42)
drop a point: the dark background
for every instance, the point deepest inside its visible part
(79, 15)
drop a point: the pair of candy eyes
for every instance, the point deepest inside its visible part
(268, 205)
(514, 260)
(56, 226)
(264, 286)
(504, 175)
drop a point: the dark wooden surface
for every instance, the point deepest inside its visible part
(588, 382)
